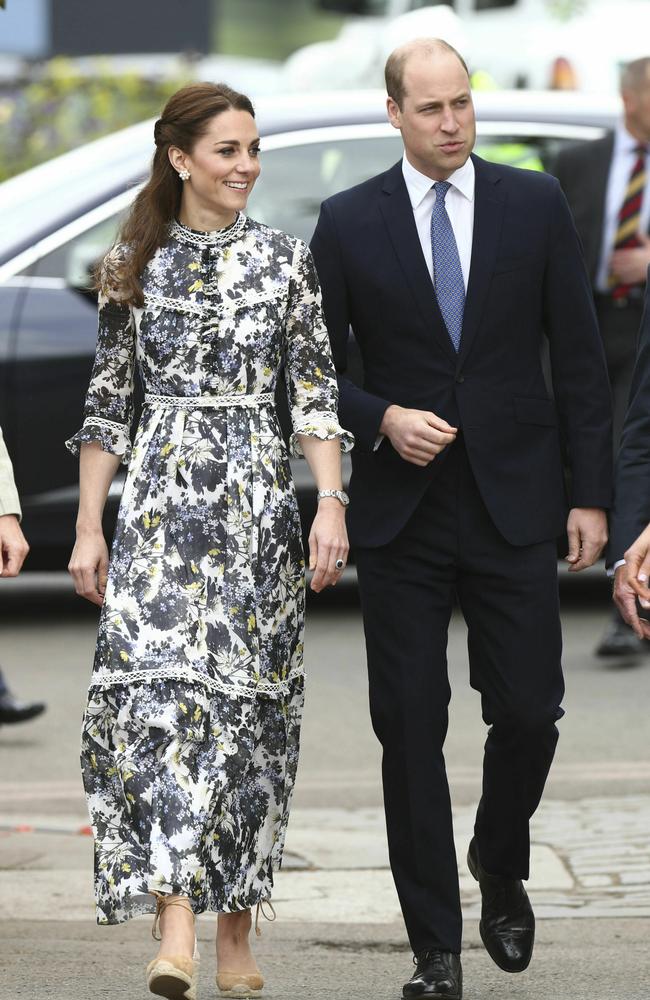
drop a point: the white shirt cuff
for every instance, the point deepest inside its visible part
(378, 440)
(612, 569)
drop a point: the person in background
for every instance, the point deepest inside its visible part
(563, 75)
(605, 183)
(13, 551)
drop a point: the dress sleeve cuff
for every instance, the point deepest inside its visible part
(324, 426)
(112, 437)
(10, 504)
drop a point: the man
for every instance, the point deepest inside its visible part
(628, 552)
(13, 549)
(605, 184)
(448, 268)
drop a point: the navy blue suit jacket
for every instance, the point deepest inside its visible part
(631, 510)
(527, 278)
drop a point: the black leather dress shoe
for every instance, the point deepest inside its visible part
(12, 710)
(507, 924)
(438, 976)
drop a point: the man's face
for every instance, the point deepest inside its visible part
(437, 118)
(637, 110)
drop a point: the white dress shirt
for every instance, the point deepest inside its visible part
(623, 160)
(459, 204)
(460, 209)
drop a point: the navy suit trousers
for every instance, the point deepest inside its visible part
(451, 551)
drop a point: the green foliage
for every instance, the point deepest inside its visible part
(272, 29)
(564, 10)
(62, 109)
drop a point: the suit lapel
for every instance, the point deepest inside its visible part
(596, 193)
(599, 175)
(396, 209)
(489, 202)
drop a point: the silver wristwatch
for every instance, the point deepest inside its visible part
(340, 495)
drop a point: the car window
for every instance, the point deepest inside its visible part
(295, 180)
(529, 152)
(75, 260)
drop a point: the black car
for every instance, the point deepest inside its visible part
(58, 219)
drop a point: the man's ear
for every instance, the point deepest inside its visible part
(394, 113)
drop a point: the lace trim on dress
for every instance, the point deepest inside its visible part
(324, 426)
(103, 422)
(112, 436)
(213, 239)
(263, 687)
(178, 305)
(219, 401)
(153, 300)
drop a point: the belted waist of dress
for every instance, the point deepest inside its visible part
(247, 400)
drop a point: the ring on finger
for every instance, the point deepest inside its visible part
(339, 564)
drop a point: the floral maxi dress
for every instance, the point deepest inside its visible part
(191, 733)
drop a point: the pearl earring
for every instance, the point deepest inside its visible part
(184, 174)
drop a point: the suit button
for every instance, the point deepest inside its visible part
(460, 379)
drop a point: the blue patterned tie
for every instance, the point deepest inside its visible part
(447, 272)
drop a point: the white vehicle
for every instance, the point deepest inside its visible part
(577, 44)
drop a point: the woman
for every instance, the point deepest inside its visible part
(190, 738)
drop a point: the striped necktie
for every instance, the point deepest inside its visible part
(629, 217)
(449, 284)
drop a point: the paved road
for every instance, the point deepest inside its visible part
(339, 932)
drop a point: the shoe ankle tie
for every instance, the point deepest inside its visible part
(162, 902)
(260, 907)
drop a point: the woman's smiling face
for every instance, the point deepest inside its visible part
(223, 166)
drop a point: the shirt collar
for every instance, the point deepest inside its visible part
(626, 143)
(418, 185)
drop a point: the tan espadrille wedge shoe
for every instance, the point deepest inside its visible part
(245, 985)
(240, 985)
(175, 977)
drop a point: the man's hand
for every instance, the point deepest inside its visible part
(13, 546)
(631, 581)
(625, 600)
(631, 266)
(587, 533)
(416, 435)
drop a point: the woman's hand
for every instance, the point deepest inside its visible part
(88, 565)
(328, 542)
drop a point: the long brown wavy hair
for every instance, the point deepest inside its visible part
(184, 120)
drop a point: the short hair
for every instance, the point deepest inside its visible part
(396, 63)
(635, 74)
